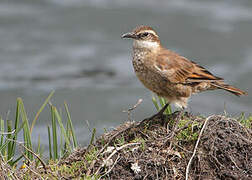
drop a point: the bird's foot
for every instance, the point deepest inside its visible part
(180, 114)
(174, 128)
(177, 119)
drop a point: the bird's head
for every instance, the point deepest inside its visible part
(144, 38)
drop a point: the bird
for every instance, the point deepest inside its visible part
(168, 74)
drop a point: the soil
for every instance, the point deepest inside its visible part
(161, 147)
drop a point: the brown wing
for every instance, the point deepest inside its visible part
(178, 69)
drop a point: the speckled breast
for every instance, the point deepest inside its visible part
(151, 79)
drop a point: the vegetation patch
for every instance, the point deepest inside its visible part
(165, 146)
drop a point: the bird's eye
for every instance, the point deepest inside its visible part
(145, 34)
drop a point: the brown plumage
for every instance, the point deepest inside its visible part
(168, 74)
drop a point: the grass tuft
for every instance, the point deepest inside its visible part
(160, 102)
(22, 127)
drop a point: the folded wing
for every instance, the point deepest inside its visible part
(178, 69)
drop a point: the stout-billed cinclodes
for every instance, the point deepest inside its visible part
(168, 74)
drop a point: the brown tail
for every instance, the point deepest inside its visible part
(233, 90)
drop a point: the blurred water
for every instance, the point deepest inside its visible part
(74, 47)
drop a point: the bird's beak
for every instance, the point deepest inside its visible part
(129, 35)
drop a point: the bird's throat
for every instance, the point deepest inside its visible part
(149, 45)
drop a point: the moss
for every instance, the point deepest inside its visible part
(75, 169)
(140, 140)
(245, 121)
(120, 141)
(91, 155)
(190, 133)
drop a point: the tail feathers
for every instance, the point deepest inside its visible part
(229, 88)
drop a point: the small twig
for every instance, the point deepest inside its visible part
(132, 108)
(183, 148)
(110, 168)
(37, 174)
(166, 173)
(156, 172)
(5, 170)
(196, 146)
(217, 161)
(135, 106)
(147, 174)
(37, 156)
(183, 128)
(231, 158)
(120, 132)
(113, 153)
(144, 134)
(174, 129)
(106, 145)
(27, 159)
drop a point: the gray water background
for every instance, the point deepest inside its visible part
(74, 47)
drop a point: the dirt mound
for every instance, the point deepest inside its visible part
(166, 147)
(227, 148)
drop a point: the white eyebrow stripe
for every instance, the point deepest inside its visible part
(149, 31)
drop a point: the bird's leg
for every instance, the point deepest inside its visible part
(174, 128)
(178, 118)
(180, 113)
(161, 112)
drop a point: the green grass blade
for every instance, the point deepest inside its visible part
(9, 147)
(3, 148)
(161, 101)
(61, 144)
(49, 141)
(92, 137)
(20, 128)
(41, 151)
(16, 160)
(62, 128)
(68, 132)
(26, 130)
(71, 126)
(38, 146)
(54, 135)
(169, 110)
(154, 100)
(17, 119)
(3, 143)
(2, 130)
(38, 151)
(41, 109)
